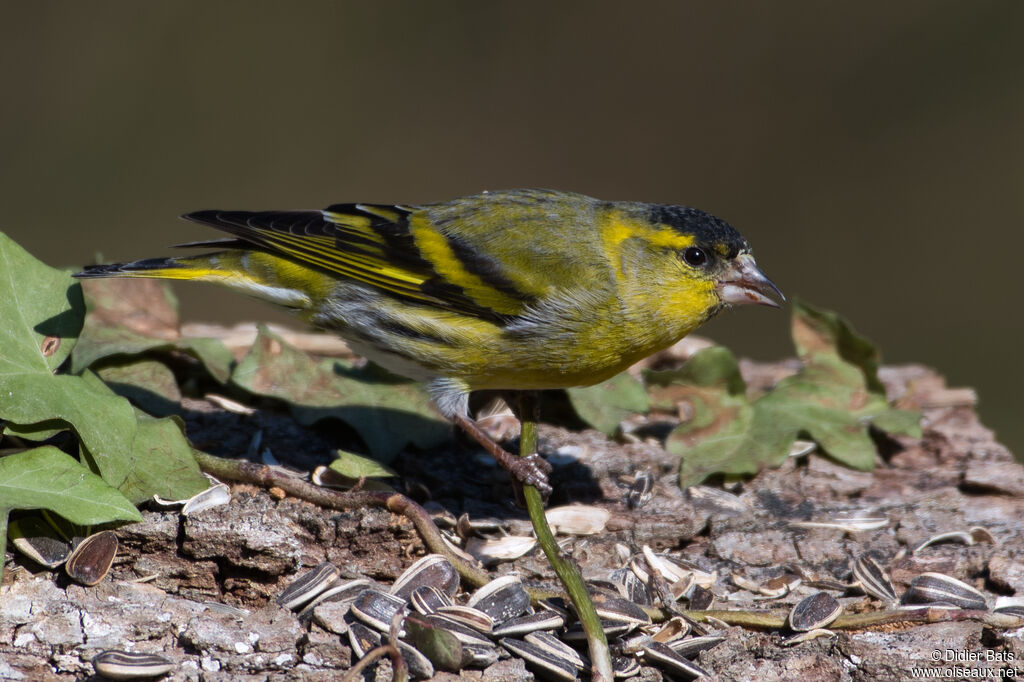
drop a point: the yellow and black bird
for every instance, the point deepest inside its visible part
(518, 290)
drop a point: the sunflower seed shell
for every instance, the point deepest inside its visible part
(932, 588)
(874, 580)
(540, 660)
(814, 612)
(494, 551)
(671, 630)
(434, 570)
(376, 609)
(664, 657)
(92, 558)
(532, 622)
(807, 636)
(692, 646)
(577, 519)
(39, 541)
(501, 599)
(556, 647)
(308, 585)
(214, 496)
(625, 666)
(427, 599)
(127, 665)
(362, 639)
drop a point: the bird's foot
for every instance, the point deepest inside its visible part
(530, 470)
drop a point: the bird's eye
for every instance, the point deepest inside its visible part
(695, 257)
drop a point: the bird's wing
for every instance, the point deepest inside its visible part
(399, 250)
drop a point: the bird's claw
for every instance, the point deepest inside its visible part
(532, 470)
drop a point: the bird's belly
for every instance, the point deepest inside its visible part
(586, 357)
(533, 353)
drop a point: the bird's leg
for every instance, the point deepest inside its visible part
(531, 470)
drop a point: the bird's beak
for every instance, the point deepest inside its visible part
(743, 283)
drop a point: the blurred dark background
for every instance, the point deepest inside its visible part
(872, 152)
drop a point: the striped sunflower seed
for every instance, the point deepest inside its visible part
(128, 665)
(428, 599)
(39, 541)
(619, 609)
(468, 616)
(342, 591)
(377, 609)
(362, 639)
(308, 585)
(874, 580)
(640, 490)
(664, 657)
(556, 647)
(630, 587)
(464, 634)
(543, 662)
(433, 569)
(517, 627)
(1010, 606)
(814, 612)
(694, 645)
(502, 599)
(936, 588)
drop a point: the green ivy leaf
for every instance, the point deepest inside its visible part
(440, 647)
(148, 384)
(162, 462)
(130, 317)
(723, 433)
(46, 478)
(833, 399)
(604, 406)
(386, 412)
(43, 310)
(354, 466)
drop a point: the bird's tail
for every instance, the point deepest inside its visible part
(157, 268)
(255, 273)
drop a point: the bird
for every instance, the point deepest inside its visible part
(514, 291)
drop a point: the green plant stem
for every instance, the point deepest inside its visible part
(600, 656)
(4, 511)
(775, 619)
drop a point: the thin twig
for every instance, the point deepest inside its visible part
(355, 672)
(245, 471)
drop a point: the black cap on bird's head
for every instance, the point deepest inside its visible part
(740, 281)
(710, 231)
